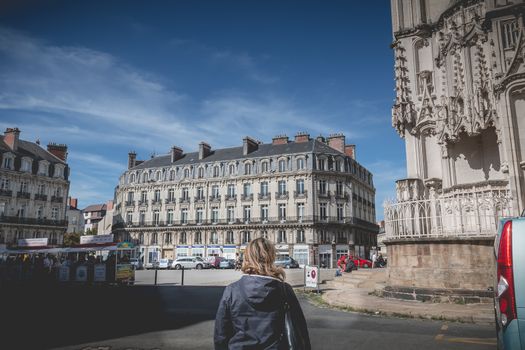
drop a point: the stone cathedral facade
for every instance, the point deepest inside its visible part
(460, 107)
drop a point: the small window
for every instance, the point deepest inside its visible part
(282, 165)
(216, 171)
(231, 169)
(247, 169)
(201, 173)
(265, 167)
(300, 164)
(186, 173)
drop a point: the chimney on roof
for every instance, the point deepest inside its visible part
(302, 137)
(176, 153)
(58, 150)
(204, 150)
(280, 140)
(337, 142)
(350, 151)
(11, 137)
(320, 138)
(72, 202)
(132, 159)
(249, 145)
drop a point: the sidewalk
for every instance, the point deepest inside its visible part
(355, 292)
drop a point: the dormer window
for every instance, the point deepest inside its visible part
(26, 165)
(247, 169)
(201, 173)
(300, 163)
(8, 161)
(186, 173)
(216, 171)
(43, 168)
(265, 167)
(282, 165)
(59, 171)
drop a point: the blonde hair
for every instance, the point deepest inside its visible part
(259, 258)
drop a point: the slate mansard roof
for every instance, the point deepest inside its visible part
(31, 150)
(234, 153)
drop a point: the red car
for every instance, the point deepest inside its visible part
(359, 262)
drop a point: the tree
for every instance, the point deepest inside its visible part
(91, 231)
(71, 239)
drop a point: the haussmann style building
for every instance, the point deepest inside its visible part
(309, 196)
(34, 188)
(460, 107)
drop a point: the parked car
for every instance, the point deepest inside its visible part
(286, 262)
(165, 264)
(510, 284)
(136, 263)
(215, 261)
(227, 264)
(190, 262)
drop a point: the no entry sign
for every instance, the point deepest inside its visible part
(311, 278)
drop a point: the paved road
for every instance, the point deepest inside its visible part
(175, 317)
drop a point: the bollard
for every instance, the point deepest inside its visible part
(182, 277)
(156, 270)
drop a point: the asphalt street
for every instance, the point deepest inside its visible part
(182, 317)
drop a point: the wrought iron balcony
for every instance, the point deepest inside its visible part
(25, 195)
(200, 199)
(247, 197)
(184, 200)
(324, 194)
(6, 193)
(156, 201)
(31, 221)
(302, 194)
(129, 203)
(57, 199)
(143, 202)
(231, 197)
(170, 200)
(216, 198)
(40, 197)
(281, 195)
(264, 196)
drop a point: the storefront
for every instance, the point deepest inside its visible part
(300, 254)
(182, 250)
(325, 255)
(229, 251)
(340, 250)
(213, 250)
(197, 250)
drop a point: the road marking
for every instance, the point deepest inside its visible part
(479, 341)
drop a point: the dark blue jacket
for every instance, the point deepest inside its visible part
(251, 316)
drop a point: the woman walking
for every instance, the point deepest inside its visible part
(251, 311)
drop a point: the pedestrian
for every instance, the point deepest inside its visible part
(341, 263)
(374, 259)
(251, 311)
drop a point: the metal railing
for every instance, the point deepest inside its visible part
(471, 213)
(31, 221)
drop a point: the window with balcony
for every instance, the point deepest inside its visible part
(169, 217)
(281, 236)
(322, 211)
(230, 237)
(142, 217)
(54, 213)
(154, 238)
(167, 238)
(339, 190)
(156, 217)
(299, 186)
(264, 212)
(200, 193)
(143, 197)
(300, 163)
(247, 213)
(231, 190)
(340, 212)
(182, 238)
(4, 184)
(230, 213)
(171, 195)
(156, 196)
(23, 187)
(214, 215)
(184, 216)
(247, 189)
(322, 187)
(39, 211)
(300, 211)
(198, 237)
(282, 212)
(22, 211)
(282, 165)
(200, 215)
(185, 193)
(215, 192)
(300, 236)
(130, 197)
(214, 237)
(264, 188)
(246, 237)
(129, 217)
(282, 187)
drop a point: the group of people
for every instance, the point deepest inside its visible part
(44, 268)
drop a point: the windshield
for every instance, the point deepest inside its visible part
(199, 258)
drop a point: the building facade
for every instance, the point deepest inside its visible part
(34, 188)
(460, 107)
(309, 196)
(105, 225)
(93, 214)
(75, 218)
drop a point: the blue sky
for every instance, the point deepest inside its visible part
(107, 77)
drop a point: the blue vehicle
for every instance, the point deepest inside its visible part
(510, 284)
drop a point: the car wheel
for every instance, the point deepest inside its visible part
(198, 267)
(177, 267)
